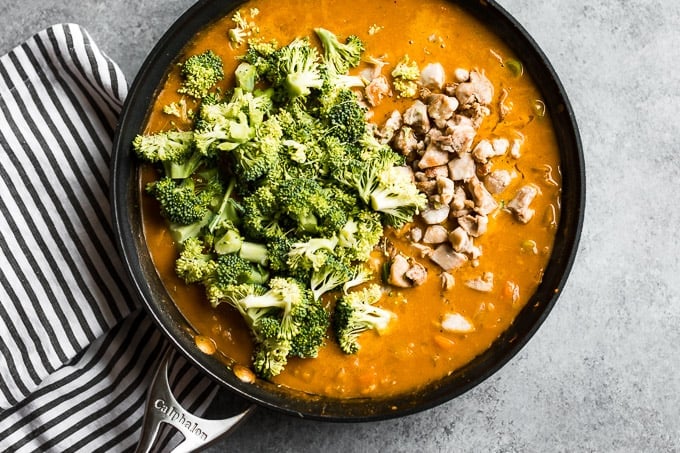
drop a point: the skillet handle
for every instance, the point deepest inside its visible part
(162, 407)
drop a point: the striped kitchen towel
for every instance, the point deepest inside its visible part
(76, 351)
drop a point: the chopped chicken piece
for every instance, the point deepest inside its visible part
(416, 117)
(377, 89)
(405, 273)
(462, 168)
(391, 126)
(441, 108)
(447, 258)
(515, 151)
(416, 234)
(460, 240)
(434, 156)
(519, 205)
(447, 281)
(477, 90)
(428, 187)
(437, 172)
(497, 181)
(398, 268)
(433, 76)
(424, 250)
(459, 197)
(484, 201)
(417, 274)
(459, 135)
(500, 146)
(445, 188)
(475, 226)
(461, 75)
(483, 284)
(405, 141)
(435, 234)
(434, 216)
(457, 323)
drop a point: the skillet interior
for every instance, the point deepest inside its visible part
(127, 224)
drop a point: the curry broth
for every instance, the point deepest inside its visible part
(415, 351)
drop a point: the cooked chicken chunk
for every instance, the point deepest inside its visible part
(497, 181)
(477, 90)
(377, 89)
(447, 258)
(441, 108)
(416, 117)
(519, 205)
(484, 201)
(433, 76)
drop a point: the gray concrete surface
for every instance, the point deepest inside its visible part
(602, 373)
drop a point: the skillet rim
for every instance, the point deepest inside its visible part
(130, 240)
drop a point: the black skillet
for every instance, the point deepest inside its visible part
(130, 239)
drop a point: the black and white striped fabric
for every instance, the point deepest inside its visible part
(76, 353)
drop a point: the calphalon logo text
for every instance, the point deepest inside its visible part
(178, 416)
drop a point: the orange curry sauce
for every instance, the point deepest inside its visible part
(416, 350)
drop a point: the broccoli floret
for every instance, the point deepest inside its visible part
(405, 77)
(261, 214)
(246, 76)
(224, 126)
(360, 235)
(254, 252)
(174, 146)
(270, 357)
(346, 118)
(330, 275)
(185, 202)
(200, 73)
(397, 197)
(314, 321)
(302, 199)
(362, 274)
(310, 254)
(277, 253)
(259, 55)
(285, 294)
(193, 265)
(295, 69)
(356, 313)
(340, 57)
(364, 175)
(231, 270)
(180, 233)
(173, 149)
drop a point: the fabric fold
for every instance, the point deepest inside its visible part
(76, 352)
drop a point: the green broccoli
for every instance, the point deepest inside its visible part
(346, 117)
(364, 175)
(315, 319)
(231, 269)
(340, 57)
(184, 202)
(261, 214)
(284, 294)
(360, 235)
(405, 77)
(193, 264)
(310, 254)
(173, 149)
(270, 357)
(397, 197)
(333, 273)
(200, 73)
(295, 69)
(356, 313)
